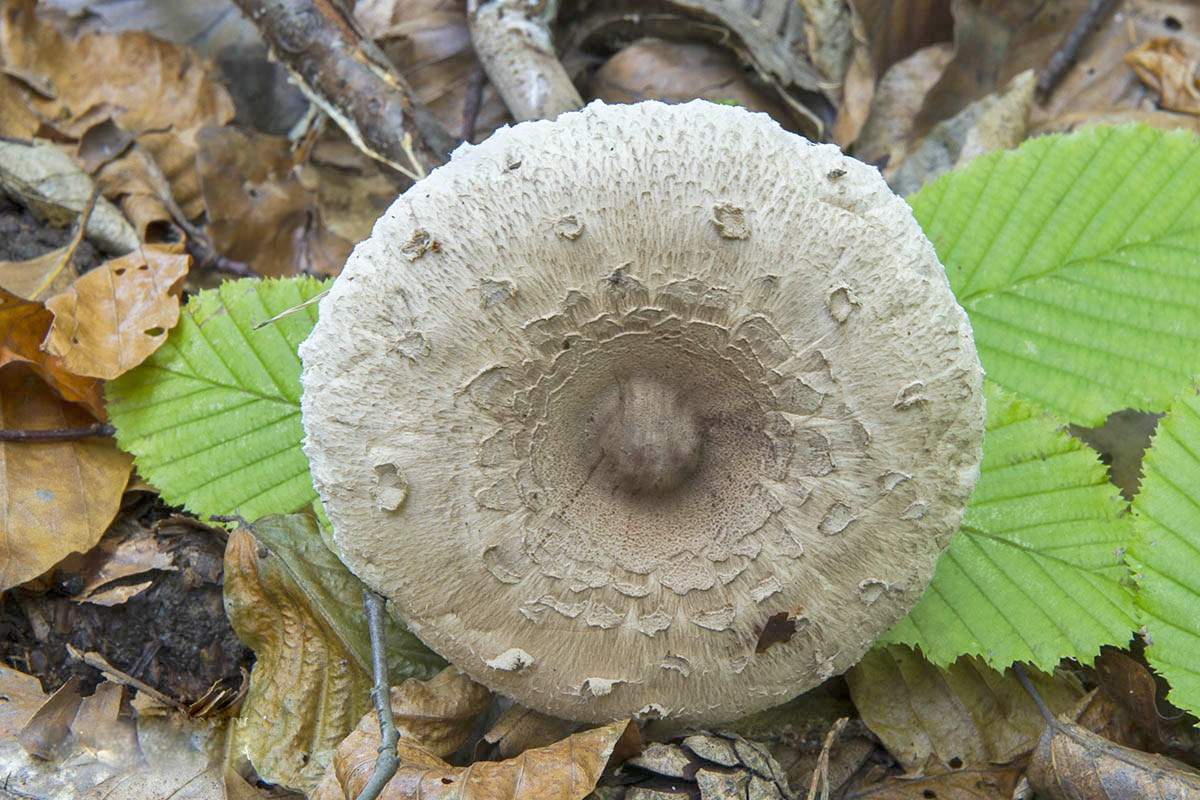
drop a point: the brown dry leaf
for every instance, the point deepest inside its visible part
(430, 45)
(112, 318)
(966, 716)
(653, 69)
(566, 770)
(1101, 88)
(1166, 67)
(47, 732)
(23, 326)
(21, 696)
(59, 497)
(300, 611)
(1072, 763)
(159, 92)
(885, 135)
(120, 556)
(858, 89)
(519, 729)
(996, 122)
(898, 28)
(995, 40)
(105, 726)
(984, 783)
(438, 713)
(259, 210)
(45, 180)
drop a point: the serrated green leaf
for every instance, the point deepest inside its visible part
(1166, 550)
(1035, 574)
(213, 417)
(1077, 258)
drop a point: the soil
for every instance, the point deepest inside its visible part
(173, 636)
(24, 236)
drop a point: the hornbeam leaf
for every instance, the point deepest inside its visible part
(1077, 258)
(1036, 572)
(1166, 550)
(213, 417)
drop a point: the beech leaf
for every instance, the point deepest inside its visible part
(113, 317)
(565, 770)
(966, 715)
(58, 497)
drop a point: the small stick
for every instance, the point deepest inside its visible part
(472, 102)
(820, 776)
(1068, 51)
(388, 760)
(1027, 684)
(99, 662)
(56, 434)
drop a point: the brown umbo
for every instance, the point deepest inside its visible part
(602, 396)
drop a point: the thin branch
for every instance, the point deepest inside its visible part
(1067, 52)
(472, 103)
(388, 760)
(345, 74)
(513, 42)
(98, 429)
(1027, 684)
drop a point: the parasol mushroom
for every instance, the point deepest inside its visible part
(651, 410)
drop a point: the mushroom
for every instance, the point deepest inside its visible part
(652, 410)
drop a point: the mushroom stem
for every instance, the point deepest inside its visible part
(648, 435)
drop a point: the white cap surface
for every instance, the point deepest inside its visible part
(652, 410)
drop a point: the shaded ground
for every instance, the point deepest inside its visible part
(174, 635)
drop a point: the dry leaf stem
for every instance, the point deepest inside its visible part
(1067, 52)
(345, 74)
(99, 430)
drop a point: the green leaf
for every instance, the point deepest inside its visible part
(1077, 258)
(1166, 550)
(213, 417)
(1035, 574)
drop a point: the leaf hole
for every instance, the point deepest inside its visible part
(956, 763)
(929, 793)
(1172, 23)
(155, 331)
(447, 781)
(143, 267)
(119, 271)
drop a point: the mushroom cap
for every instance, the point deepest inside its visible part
(650, 410)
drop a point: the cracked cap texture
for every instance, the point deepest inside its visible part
(651, 410)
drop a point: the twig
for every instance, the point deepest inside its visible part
(388, 760)
(98, 429)
(513, 42)
(472, 103)
(1068, 50)
(820, 776)
(349, 78)
(117, 676)
(1027, 684)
